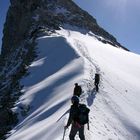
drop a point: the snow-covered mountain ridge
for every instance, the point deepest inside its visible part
(64, 58)
(48, 45)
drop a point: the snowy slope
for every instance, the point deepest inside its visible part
(67, 57)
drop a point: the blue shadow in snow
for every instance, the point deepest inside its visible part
(50, 111)
(54, 54)
(58, 53)
(40, 98)
(91, 97)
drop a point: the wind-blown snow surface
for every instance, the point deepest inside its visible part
(67, 57)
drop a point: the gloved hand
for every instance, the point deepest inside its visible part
(65, 127)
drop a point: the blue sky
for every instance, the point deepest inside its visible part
(121, 18)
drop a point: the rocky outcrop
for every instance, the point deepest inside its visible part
(27, 15)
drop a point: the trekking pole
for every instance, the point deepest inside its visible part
(64, 133)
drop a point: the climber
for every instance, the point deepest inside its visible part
(73, 119)
(77, 90)
(97, 80)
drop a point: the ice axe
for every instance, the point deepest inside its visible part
(64, 133)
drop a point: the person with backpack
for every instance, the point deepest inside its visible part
(77, 90)
(97, 80)
(77, 119)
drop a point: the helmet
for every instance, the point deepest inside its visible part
(75, 99)
(76, 84)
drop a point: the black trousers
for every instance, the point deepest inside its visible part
(97, 86)
(74, 130)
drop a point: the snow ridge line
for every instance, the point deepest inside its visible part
(82, 50)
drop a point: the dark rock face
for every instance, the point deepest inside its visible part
(17, 24)
(25, 19)
(26, 14)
